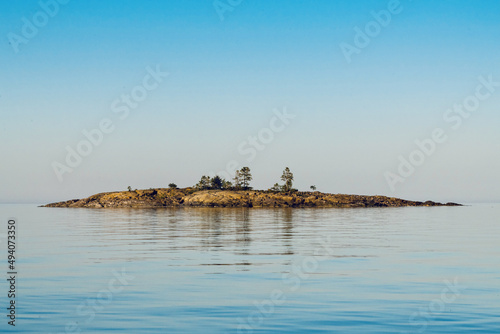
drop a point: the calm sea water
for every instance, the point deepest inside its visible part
(387, 270)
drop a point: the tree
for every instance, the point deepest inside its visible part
(237, 180)
(227, 185)
(204, 183)
(287, 177)
(313, 188)
(246, 177)
(216, 182)
(172, 186)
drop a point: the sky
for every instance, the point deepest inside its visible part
(395, 98)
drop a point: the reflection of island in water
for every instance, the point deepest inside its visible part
(241, 238)
(223, 229)
(189, 197)
(209, 234)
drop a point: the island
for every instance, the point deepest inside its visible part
(191, 197)
(218, 192)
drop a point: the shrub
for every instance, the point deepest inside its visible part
(276, 188)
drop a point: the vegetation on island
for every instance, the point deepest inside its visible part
(241, 181)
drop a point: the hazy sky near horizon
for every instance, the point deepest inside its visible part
(355, 117)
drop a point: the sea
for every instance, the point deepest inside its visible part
(250, 270)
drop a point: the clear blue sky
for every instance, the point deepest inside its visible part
(352, 119)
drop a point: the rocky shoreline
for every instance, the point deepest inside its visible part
(190, 197)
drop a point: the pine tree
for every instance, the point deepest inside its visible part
(204, 183)
(216, 182)
(237, 180)
(246, 177)
(287, 177)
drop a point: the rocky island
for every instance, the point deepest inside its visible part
(191, 197)
(218, 192)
